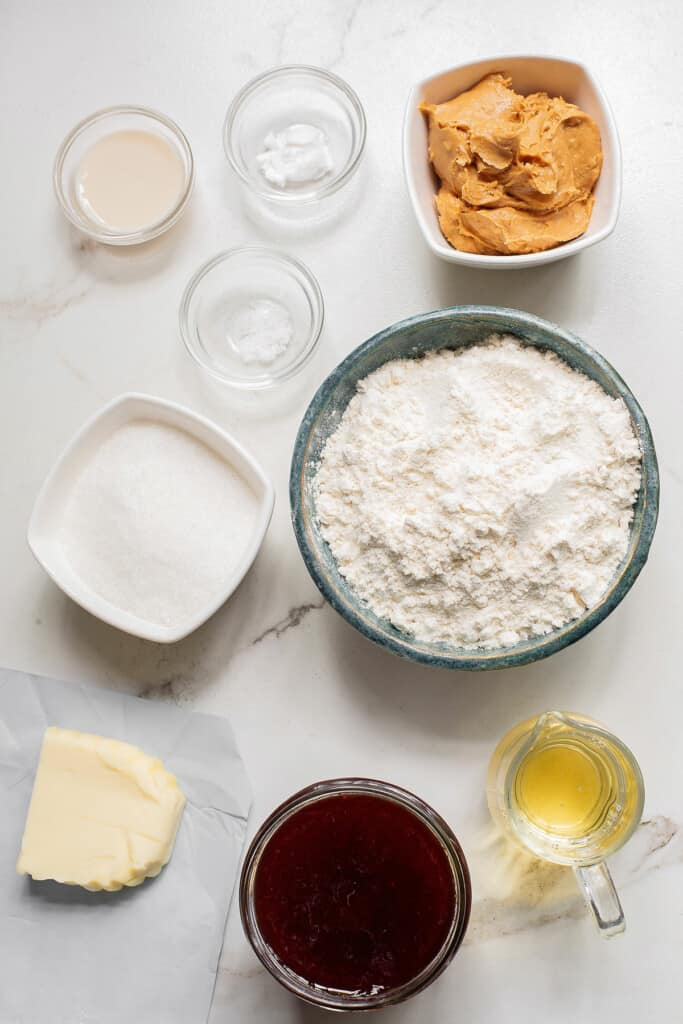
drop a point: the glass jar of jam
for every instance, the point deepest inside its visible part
(355, 894)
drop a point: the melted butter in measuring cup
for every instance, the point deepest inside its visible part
(571, 793)
(564, 788)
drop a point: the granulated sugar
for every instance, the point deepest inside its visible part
(157, 522)
(479, 497)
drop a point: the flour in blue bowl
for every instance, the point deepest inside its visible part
(479, 497)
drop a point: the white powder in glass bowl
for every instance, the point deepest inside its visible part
(479, 497)
(298, 155)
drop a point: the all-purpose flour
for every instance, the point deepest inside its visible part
(479, 497)
(157, 522)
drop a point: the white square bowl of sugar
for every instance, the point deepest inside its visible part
(151, 517)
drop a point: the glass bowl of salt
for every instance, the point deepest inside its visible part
(251, 317)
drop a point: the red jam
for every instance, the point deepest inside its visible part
(355, 893)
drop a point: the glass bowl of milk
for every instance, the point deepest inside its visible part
(294, 137)
(124, 175)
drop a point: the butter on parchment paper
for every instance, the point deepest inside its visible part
(103, 814)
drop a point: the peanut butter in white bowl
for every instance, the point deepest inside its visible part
(525, 164)
(517, 172)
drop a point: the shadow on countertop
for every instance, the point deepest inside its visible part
(483, 704)
(554, 291)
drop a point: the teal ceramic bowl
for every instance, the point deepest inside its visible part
(457, 327)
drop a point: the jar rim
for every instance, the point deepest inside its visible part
(342, 1000)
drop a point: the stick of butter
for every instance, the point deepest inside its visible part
(103, 814)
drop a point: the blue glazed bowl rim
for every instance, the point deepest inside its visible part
(342, 597)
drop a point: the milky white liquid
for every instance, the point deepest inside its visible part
(130, 180)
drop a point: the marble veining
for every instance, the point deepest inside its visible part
(46, 303)
(346, 29)
(291, 620)
(663, 834)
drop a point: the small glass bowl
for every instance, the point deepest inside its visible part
(288, 95)
(331, 999)
(90, 131)
(251, 281)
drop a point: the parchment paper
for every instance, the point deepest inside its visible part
(145, 955)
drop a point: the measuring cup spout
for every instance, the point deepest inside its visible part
(552, 722)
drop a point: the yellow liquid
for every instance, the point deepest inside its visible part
(562, 789)
(575, 793)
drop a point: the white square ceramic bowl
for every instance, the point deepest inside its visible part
(557, 77)
(45, 519)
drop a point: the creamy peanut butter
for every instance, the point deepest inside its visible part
(517, 172)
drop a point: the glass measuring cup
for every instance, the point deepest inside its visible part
(569, 792)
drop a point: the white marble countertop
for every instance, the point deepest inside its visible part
(308, 697)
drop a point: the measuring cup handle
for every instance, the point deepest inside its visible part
(601, 896)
